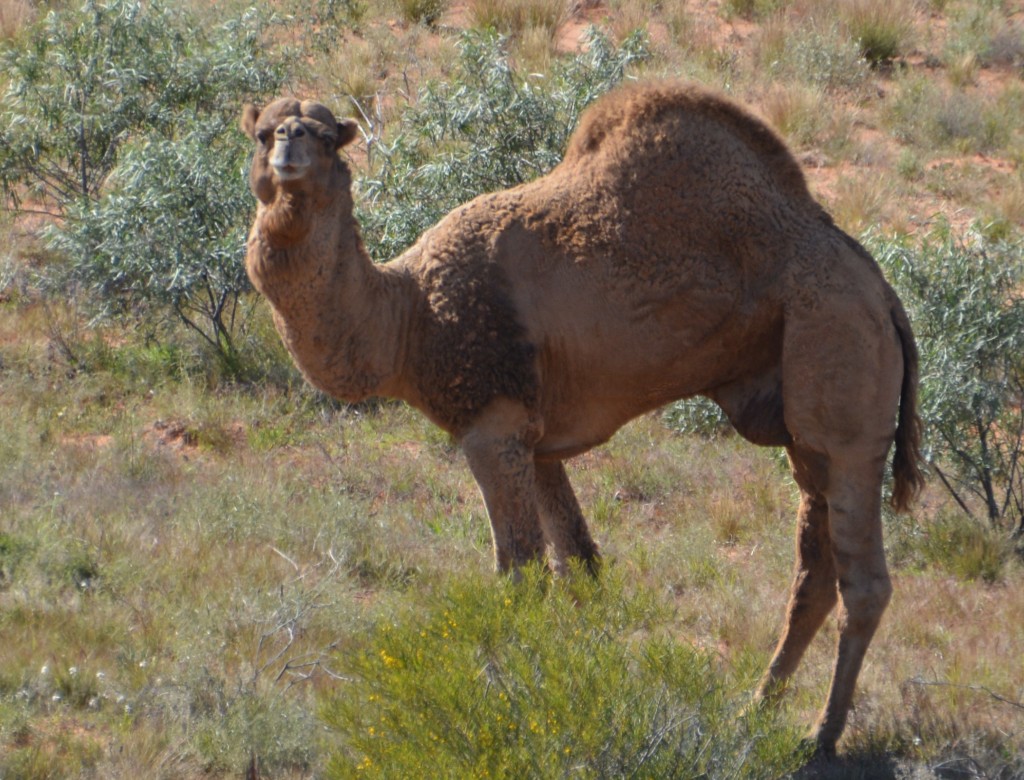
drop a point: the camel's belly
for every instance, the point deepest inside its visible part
(589, 420)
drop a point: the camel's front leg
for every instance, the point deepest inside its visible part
(562, 520)
(499, 448)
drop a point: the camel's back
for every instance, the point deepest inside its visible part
(640, 124)
(661, 181)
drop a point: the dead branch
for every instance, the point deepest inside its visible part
(962, 686)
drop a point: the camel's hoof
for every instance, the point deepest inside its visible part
(757, 706)
(818, 751)
(578, 565)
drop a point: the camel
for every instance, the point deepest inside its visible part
(675, 251)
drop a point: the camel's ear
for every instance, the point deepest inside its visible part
(249, 116)
(348, 130)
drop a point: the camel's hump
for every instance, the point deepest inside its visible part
(631, 110)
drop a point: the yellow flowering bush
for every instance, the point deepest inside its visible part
(544, 679)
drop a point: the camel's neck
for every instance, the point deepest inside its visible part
(343, 319)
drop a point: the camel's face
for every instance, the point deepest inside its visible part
(294, 141)
(293, 149)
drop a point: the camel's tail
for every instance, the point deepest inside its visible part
(907, 476)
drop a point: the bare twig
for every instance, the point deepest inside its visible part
(961, 686)
(277, 647)
(292, 562)
(952, 491)
(57, 337)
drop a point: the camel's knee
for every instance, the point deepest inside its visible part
(868, 595)
(864, 599)
(813, 597)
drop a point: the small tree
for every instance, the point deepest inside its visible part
(168, 236)
(966, 300)
(121, 121)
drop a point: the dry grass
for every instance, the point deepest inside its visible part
(861, 202)
(536, 49)
(679, 21)
(1007, 202)
(184, 577)
(514, 17)
(797, 112)
(630, 15)
(963, 71)
(812, 49)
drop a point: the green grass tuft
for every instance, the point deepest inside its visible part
(963, 547)
(882, 28)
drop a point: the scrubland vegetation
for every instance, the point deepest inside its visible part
(208, 570)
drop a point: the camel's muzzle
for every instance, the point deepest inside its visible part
(290, 157)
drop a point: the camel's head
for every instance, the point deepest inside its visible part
(295, 143)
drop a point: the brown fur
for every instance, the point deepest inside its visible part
(675, 251)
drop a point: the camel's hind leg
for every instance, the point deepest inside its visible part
(840, 396)
(563, 523)
(840, 556)
(855, 507)
(814, 592)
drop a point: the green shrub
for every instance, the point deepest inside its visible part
(751, 9)
(985, 34)
(13, 549)
(699, 415)
(167, 238)
(485, 128)
(969, 122)
(965, 303)
(230, 730)
(84, 81)
(121, 117)
(70, 564)
(926, 115)
(422, 11)
(544, 680)
(819, 55)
